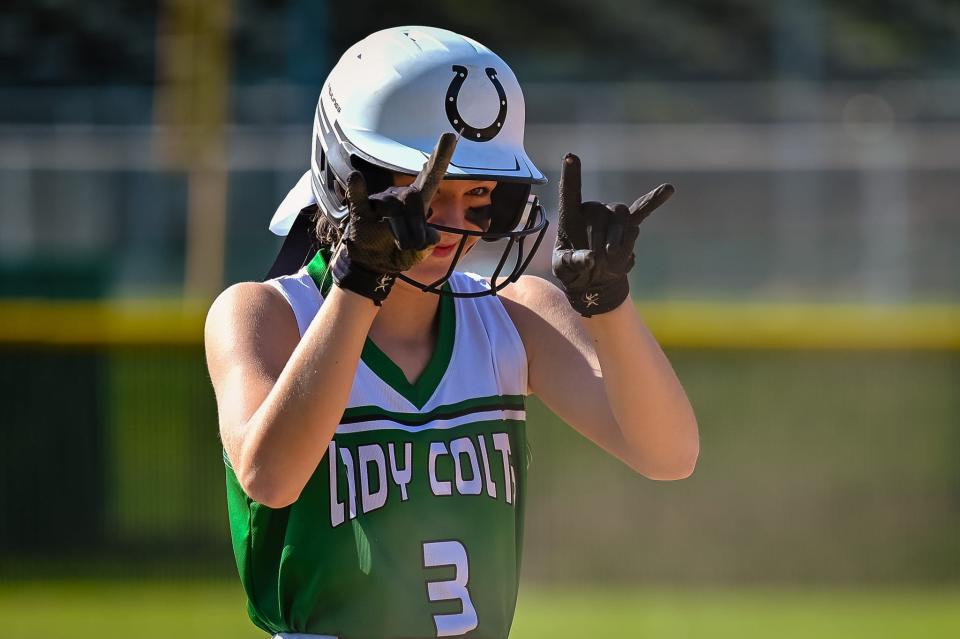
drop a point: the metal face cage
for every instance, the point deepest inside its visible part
(533, 227)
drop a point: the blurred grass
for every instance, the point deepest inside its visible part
(215, 610)
(741, 614)
(815, 468)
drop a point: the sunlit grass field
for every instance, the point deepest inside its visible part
(215, 610)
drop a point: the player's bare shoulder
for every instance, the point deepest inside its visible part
(551, 331)
(532, 303)
(532, 294)
(249, 323)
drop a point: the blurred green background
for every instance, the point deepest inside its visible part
(805, 281)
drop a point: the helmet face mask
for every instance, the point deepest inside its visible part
(525, 239)
(516, 217)
(381, 110)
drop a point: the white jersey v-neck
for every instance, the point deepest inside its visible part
(488, 357)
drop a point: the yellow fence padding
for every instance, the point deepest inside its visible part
(677, 324)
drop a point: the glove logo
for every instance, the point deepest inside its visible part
(383, 283)
(591, 299)
(453, 112)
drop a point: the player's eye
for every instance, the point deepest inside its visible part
(480, 191)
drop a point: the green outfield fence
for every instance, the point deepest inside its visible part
(829, 450)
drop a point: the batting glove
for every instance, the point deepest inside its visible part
(387, 232)
(594, 250)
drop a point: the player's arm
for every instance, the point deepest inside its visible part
(608, 379)
(591, 357)
(279, 397)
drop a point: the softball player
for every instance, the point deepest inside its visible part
(371, 397)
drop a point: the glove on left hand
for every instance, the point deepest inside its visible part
(594, 250)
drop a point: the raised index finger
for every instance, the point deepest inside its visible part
(570, 186)
(429, 178)
(572, 225)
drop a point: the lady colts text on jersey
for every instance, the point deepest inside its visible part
(366, 470)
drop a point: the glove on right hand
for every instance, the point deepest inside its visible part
(594, 250)
(387, 232)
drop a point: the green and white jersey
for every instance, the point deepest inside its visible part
(412, 524)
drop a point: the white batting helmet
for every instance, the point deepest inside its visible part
(384, 105)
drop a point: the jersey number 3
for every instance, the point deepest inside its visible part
(450, 553)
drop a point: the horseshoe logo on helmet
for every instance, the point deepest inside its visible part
(453, 112)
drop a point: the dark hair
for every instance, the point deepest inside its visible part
(328, 234)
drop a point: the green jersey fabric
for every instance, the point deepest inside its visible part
(412, 524)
